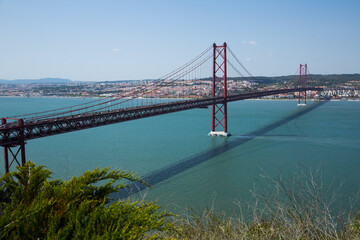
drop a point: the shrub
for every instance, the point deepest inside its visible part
(34, 207)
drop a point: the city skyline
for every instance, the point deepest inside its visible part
(130, 40)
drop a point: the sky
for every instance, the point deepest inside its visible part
(99, 40)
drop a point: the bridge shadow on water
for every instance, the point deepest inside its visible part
(167, 172)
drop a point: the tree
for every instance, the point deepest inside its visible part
(34, 207)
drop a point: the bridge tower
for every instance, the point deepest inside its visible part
(302, 84)
(219, 89)
(20, 145)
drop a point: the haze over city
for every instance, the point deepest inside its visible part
(126, 40)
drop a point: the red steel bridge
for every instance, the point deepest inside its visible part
(16, 130)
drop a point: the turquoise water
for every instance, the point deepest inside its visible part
(327, 137)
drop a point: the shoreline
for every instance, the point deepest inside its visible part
(251, 99)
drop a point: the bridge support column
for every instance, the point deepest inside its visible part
(14, 154)
(302, 84)
(219, 110)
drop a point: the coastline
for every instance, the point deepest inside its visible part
(252, 99)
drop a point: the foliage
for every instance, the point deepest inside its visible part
(34, 207)
(331, 80)
(334, 80)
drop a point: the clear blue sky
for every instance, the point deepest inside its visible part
(139, 39)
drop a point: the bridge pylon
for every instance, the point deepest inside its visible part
(20, 145)
(219, 89)
(302, 84)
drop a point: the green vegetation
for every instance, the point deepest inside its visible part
(299, 209)
(332, 80)
(34, 207)
(329, 81)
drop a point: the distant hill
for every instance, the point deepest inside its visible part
(331, 80)
(127, 81)
(36, 81)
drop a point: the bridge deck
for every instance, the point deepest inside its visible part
(10, 134)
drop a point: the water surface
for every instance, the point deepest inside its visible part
(268, 137)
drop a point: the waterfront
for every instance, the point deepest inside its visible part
(327, 137)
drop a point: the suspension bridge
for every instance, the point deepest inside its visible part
(214, 66)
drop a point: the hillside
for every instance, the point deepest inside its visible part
(36, 81)
(332, 80)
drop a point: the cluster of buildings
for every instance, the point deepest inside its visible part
(145, 88)
(156, 89)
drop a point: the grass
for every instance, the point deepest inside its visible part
(298, 209)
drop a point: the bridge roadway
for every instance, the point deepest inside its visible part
(11, 134)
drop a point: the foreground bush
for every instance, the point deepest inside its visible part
(34, 207)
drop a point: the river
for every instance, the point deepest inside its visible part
(188, 168)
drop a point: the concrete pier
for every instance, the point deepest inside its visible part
(219, 133)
